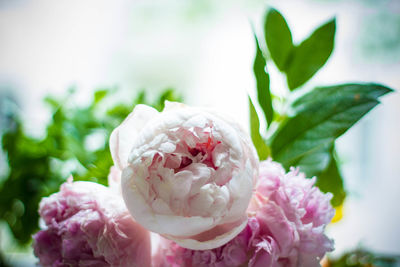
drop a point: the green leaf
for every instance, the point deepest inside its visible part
(263, 150)
(314, 160)
(119, 111)
(262, 81)
(167, 95)
(99, 95)
(321, 116)
(141, 98)
(330, 180)
(278, 38)
(311, 55)
(98, 170)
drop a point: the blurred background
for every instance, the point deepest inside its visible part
(204, 50)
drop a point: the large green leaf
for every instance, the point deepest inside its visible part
(314, 160)
(308, 57)
(263, 150)
(330, 180)
(278, 38)
(321, 116)
(262, 81)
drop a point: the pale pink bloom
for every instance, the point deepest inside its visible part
(291, 210)
(287, 219)
(187, 173)
(86, 224)
(234, 253)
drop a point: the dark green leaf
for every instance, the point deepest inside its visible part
(330, 180)
(263, 150)
(313, 160)
(307, 58)
(278, 38)
(321, 116)
(352, 91)
(262, 81)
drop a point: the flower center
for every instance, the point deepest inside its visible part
(187, 173)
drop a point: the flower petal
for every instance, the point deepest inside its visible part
(159, 223)
(213, 238)
(124, 136)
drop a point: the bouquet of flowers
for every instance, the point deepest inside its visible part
(190, 187)
(192, 176)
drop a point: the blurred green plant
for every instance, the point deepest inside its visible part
(37, 166)
(362, 258)
(304, 131)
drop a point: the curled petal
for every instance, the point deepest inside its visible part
(213, 238)
(123, 137)
(266, 253)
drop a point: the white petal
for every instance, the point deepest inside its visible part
(114, 180)
(216, 242)
(161, 207)
(162, 224)
(200, 175)
(124, 136)
(240, 189)
(197, 121)
(167, 147)
(181, 184)
(220, 154)
(168, 105)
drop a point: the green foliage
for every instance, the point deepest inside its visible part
(308, 57)
(305, 134)
(330, 180)
(37, 167)
(278, 38)
(298, 62)
(262, 80)
(30, 178)
(321, 116)
(263, 150)
(364, 258)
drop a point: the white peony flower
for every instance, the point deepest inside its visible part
(187, 173)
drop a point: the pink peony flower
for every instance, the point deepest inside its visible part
(86, 224)
(287, 218)
(187, 173)
(294, 213)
